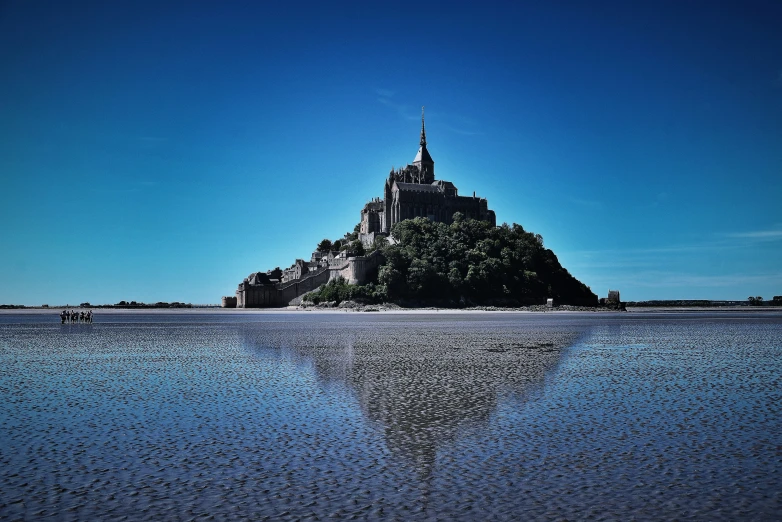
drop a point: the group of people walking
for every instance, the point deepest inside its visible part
(72, 316)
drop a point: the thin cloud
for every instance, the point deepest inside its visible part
(761, 235)
(411, 113)
(115, 191)
(724, 241)
(655, 279)
(668, 249)
(403, 110)
(611, 264)
(462, 131)
(459, 124)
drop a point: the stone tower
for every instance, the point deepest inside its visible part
(387, 199)
(423, 160)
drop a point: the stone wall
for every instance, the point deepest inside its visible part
(280, 294)
(358, 269)
(258, 296)
(368, 239)
(293, 289)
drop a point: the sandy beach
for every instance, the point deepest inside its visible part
(414, 415)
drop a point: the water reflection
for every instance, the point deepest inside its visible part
(421, 384)
(402, 418)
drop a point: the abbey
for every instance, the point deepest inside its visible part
(409, 192)
(412, 192)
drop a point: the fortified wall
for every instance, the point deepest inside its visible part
(258, 290)
(359, 270)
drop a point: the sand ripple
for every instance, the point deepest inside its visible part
(449, 417)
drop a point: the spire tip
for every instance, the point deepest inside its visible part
(423, 131)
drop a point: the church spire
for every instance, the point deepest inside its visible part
(423, 130)
(423, 160)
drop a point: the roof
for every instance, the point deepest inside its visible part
(259, 278)
(444, 184)
(374, 205)
(417, 187)
(423, 156)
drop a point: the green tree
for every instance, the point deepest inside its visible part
(325, 246)
(379, 243)
(473, 259)
(393, 281)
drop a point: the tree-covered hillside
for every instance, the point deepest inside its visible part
(466, 262)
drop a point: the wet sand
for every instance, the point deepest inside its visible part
(400, 416)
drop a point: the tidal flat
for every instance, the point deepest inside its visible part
(391, 416)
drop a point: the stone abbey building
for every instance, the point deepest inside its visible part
(412, 192)
(409, 192)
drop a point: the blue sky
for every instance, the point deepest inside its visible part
(163, 151)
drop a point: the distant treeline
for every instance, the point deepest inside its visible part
(121, 304)
(134, 304)
(468, 262)
(704, 303)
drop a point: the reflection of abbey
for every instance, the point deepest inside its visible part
(408, 192)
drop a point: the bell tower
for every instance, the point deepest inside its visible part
(423, 160)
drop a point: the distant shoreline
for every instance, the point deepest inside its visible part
(380, 309)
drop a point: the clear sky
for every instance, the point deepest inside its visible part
(163, 151)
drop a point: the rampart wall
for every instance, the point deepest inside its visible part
(358, 269)
(293, 289)
(355, 270)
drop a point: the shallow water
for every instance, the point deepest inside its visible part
(391, 416)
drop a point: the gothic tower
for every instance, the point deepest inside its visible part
(423, 160)
(385, 224)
